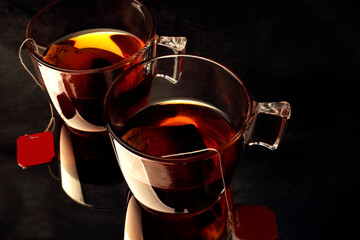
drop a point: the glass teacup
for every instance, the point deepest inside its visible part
(178, 148)
(77, 49)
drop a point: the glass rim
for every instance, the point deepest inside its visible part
(151, 40)
(178, 159)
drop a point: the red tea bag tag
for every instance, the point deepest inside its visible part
(253, 222)
(35, 149)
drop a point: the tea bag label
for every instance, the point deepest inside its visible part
(254, 222)
(35, 149)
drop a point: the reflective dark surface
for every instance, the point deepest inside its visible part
(89, 171)
(305, 52)
(210, 223)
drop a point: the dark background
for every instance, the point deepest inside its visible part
(306, 52)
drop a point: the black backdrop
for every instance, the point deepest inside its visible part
(306, 52)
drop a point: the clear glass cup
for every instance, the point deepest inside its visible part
(178, 148)
(78, 94)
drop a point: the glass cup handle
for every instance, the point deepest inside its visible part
(270, 121)
(177, 45)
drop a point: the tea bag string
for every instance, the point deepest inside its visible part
(221, 171)
(51, 123)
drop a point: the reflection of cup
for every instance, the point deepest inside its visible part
(211, 223)
(76, 68)
(178, 149)
(89, 172)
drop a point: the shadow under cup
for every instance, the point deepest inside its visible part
(179, 147)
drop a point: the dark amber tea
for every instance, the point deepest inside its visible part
(174, 127)
(88, 50)
(92, 49)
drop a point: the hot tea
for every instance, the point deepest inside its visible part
(84, 92)
(173, 127)
(92, 49)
